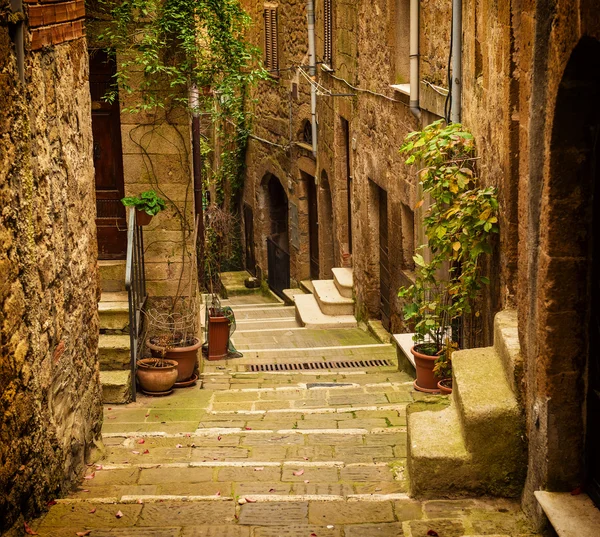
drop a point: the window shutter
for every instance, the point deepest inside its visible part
(328, 32)
(271, 41)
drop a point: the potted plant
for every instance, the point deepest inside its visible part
(156, 375)
(459, 222)
(146, 205)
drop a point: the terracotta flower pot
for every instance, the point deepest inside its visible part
(426, 380)
(156, 379)
(185, 357)
(142, 218)
(443, 386)
(218, 337)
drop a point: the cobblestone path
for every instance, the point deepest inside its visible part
(303, 453)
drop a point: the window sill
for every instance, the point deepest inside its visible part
(401, 88)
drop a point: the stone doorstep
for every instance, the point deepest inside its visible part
(113, 352)
(343, 280)
(330, 300)
(309, 314)
(290, 295)
(570, 515)
(116, 387)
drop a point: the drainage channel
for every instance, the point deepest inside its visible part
(303, 366)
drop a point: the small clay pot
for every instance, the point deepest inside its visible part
(184, 357)
(142, 218)
(426, 381)
(443, 386)
(156, 379)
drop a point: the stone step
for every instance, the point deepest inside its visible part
(264, 313)
(112, 275)
(506, 343)
(291, 293)
(233, 284)
(344, 280)
(116, 386)
(330, 300)
(438, 460)
(113, 352)
(307, 286)
(309, 314)
(113, 315)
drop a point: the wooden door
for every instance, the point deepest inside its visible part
(313, 227)
(108, 160)
(249, 236)
(593, 419)
(384, 266)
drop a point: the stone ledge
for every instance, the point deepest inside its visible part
(570, 516)
(406, 360)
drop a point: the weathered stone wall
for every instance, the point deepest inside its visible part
(50, 400)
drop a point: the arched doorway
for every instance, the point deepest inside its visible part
(569, 279)
(278, 257)
(326, 226)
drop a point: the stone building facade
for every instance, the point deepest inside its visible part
(50, 400)
(531, 97)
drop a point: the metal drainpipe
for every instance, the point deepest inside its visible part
(194, 102)
(17, 7)
(310, 10)
(414, 59)
(455, 106)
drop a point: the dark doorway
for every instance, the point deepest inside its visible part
(108, 159)
(278, 256)
(384, 259)
(249, 236)
(346, 142)
(326, 226)
(313, 225)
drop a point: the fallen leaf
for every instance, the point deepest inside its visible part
(109, 408)
(22, 467)
(576, 492)
(118, 514)
(135, 452)
(432, 533)
(178, 446)
(193, 445)
(92, 510)
(141, 441)
(112, 417)
(313, 534)
(51, 503)
(99, 467)
(330, 527)
(85, 490)
(218, 493)
(219, 438)
(146, 452)
(188, 434)
(147, 415)
(83, 533)
(271, 490)
(139, 500)
(299, 472)
(259, 469)
(306, 481)
(305, 458)
(250, 500)
(28, 530)
(90, 476)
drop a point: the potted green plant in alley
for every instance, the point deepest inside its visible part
(459, 222)
(147, 205)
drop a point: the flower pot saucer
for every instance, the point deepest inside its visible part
(157, 394)
(186, 383)
(425, 390)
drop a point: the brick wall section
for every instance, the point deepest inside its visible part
(50, 400)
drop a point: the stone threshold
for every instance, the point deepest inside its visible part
(570, 515)
(310, 410)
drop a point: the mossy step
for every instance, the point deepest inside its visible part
(113, 352)
(506, 343)
(112, 275)
(438, 460)
(113, 315)
(233, 284)
(116, 386)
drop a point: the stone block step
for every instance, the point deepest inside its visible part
(344, 280)
(309, 314)
(438, 460)
(112, 275)
(506, 343)
(113, 315)
(264, 313)
(308, 286)
(291, 293)
(330, 300)
(116, 386)
(113, 352)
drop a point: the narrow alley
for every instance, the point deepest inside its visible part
(302, 453)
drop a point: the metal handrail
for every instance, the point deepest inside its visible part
(135, 283)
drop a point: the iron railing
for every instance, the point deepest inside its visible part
(135, 283)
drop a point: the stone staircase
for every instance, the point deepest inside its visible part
(113, 344)
(475, 445)
(329, 304)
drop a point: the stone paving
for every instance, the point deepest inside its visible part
(310, 453)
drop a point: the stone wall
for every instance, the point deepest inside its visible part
(50, 400)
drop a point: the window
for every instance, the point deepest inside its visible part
(271, 41)
(327, 33)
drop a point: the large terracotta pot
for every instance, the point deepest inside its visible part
(426, 380)
(156, 379)
(185, 357)
(218, 337)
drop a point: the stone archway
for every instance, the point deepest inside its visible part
(326, 226)
(568, 346)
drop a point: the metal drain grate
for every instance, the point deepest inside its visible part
(289, 366)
